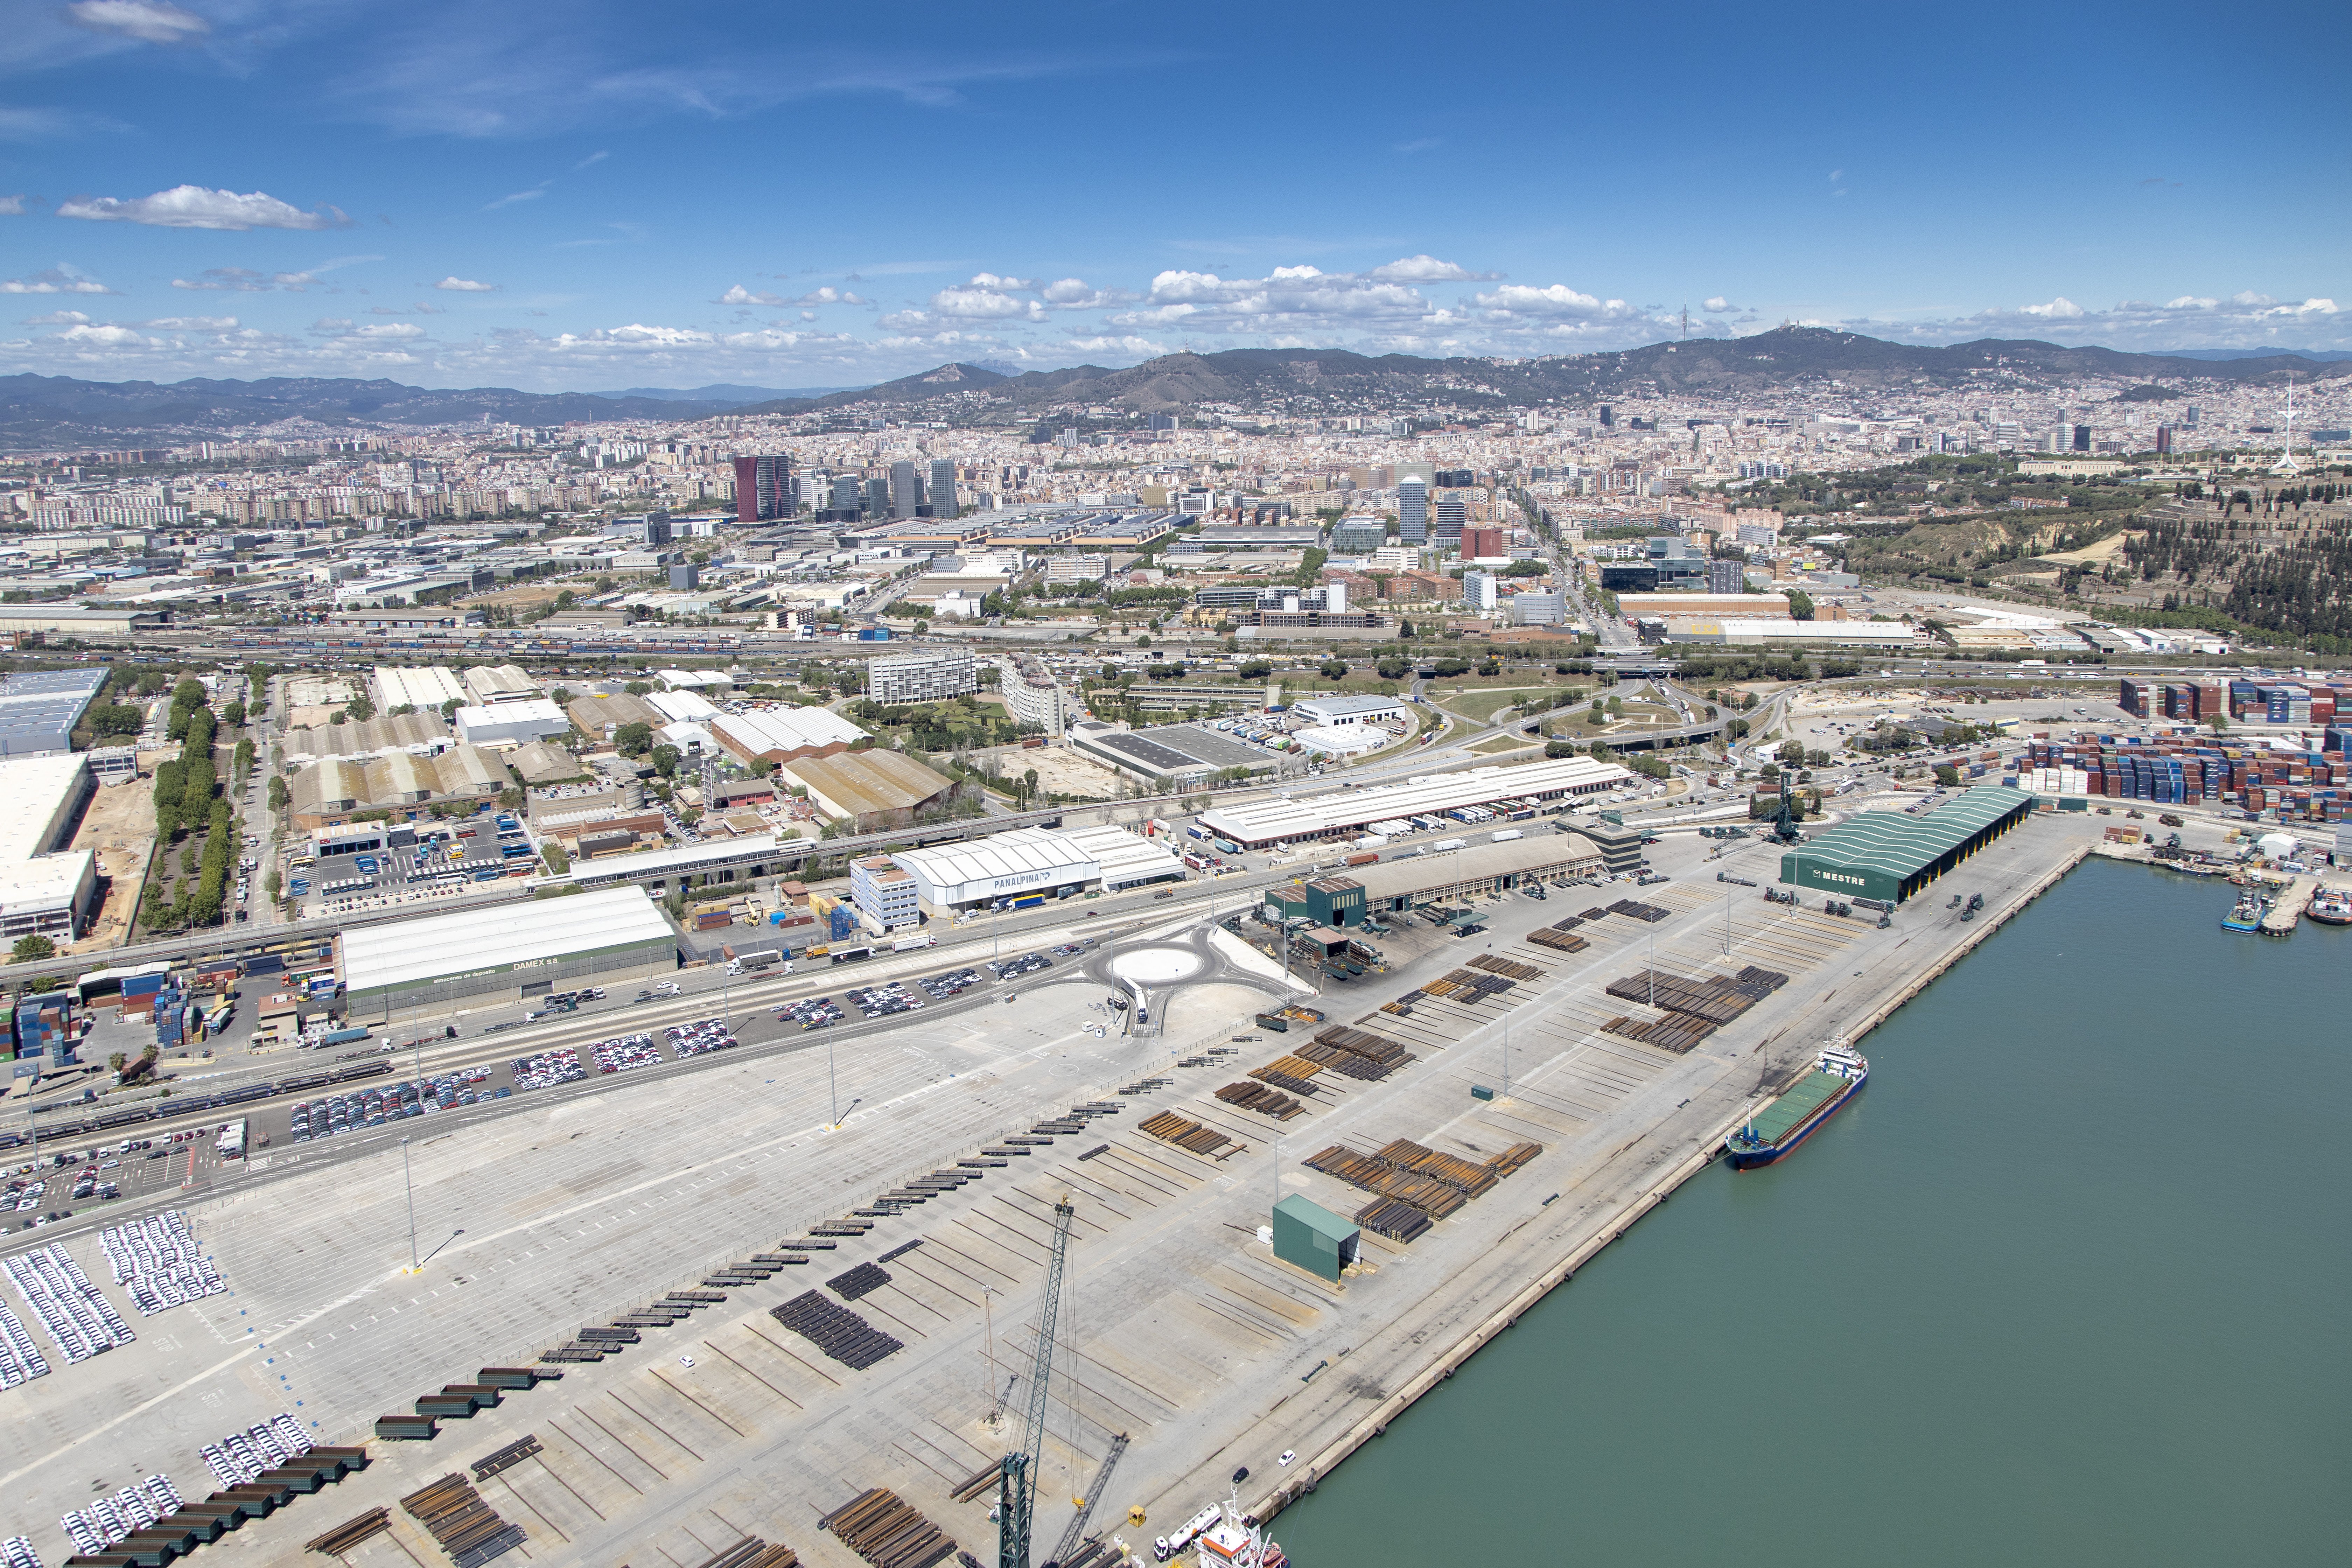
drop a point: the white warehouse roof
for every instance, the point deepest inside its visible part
(787, 730)
(1122, 858)
(427, 688)
(681, 707)
(481, 942)
(1274, 821)
(1020, 862)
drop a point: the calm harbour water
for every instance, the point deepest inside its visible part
(2068, 1283)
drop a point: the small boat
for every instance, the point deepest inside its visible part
(2247, 914)
(1773, 1133)
(2331, 906)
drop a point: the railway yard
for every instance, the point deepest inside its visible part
(781, 1280)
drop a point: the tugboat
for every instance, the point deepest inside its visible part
(2248, 913)
(1773, 1133)
(2330, 907)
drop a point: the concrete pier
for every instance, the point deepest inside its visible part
(1180, 1329)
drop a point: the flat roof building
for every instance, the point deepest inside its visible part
(1892, 856)
(436, 962)
(1351, 811)
(875, 789)
(1351, 709)
(39, 708)
(1178, 752)
(428, 687)
(512, 723)
(1047, 862)
(43, 890)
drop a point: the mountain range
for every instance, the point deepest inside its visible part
(40, 412)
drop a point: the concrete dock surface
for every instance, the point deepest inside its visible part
(1180, 1329)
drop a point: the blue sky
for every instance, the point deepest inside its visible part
(593, 195)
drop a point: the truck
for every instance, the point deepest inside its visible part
(230, 1145)
(1364, 857)
(1227, 847)
(752, 962)
(343, 1036)
(1504, 835)
(915, 943)
(1444, 846)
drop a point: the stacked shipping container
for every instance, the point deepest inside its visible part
(2303, 784)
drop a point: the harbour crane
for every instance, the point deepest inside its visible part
(1018, 1498)
(1071, 1537)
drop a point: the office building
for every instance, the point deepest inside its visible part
(1538, 609)
(844, 493)
(1477, 543)
(763, 487)
(920, 677)
(2082, 437)
(1726, 578)
(943, 488)
(2164, 440)
(1478, 591)
(685, 577)
(906, 490)
(1452, 513)
(1359, 533)
(884, 894)
(877, 496)
(1413, 509)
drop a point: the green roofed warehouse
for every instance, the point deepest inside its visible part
(1892, 856)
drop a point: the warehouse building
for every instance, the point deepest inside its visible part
(1033, 863)
(428, 687)
(439, 962)
(873, 790)
(598, 717)
(1181, 752)
(45, 889)
(422, 732)
(1344, 811)
(1310, 1236)
(488, 685)
(329, 793)
(1892, 856)
(785, 734)
(39, 709)
(1401, 886)
(512, 723)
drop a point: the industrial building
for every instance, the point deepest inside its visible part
(930, 677)
(1178, 752)
(1353, 709)
(883, 893)
(1332, 902)
(43, 890)
(394, 689)
(1312, 1237)
(785, 734)
(1892, 856)
(1264, 823)
(512, 723)
(488, 685)
(1399, 886)
(437, 963)
(599, 716)
(1034, 862)
(875, 790)
(421, 732)
(329, 793)
(38, 710)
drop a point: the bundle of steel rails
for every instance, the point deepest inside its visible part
(1258, 1098)
(880, 1527)
(1191, 1136)
(839, 1333)
(467, 1529)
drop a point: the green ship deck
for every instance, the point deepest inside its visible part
(1807, 1095)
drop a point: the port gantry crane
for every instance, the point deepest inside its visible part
(1018, 1498)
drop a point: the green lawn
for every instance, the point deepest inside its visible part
(1483, 705)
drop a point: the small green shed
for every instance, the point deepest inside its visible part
(1312, 1236)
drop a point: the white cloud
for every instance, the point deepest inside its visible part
(982, 303)
(197, 206)
(2060, 309)
(1552, 302)
(56, 319)
(190, 323)
(12, 206)
(244, 281)
(739, 295)
(149, 21)
(55, 280)
(455, 285)
(1073, 294)
(100, 336)
(990, 280)
(389, 331)
(1429, 270)
(1717, 304)
(531, 195)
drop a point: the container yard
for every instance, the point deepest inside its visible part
(1464, 1129)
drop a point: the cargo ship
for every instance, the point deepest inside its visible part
(1227, 1538)
(2330, 907)
(1773, 1133)
(2247, 914)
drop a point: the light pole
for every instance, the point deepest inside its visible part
(409, 1181)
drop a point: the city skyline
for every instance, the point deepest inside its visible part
(569, 202)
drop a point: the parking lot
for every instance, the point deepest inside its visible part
(418, 863)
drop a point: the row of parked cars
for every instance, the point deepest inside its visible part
(883, 1001)
(817, 1012)
(1013, 968)
(942, 986)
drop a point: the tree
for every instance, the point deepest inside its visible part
(1801, 604)
(665, 759)
(116, 718)
(233, 714)
(1791, 751)
(1334, 670)
(361, 708)
(638, 689)
(1947, 776)
(33, 949)
(634, 739)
